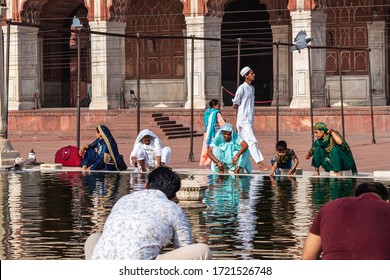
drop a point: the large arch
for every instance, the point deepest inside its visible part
(57, 51)
(248, 20)
(31, 10)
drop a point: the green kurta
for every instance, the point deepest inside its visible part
(331, 156)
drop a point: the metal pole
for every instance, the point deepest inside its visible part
(138, 83)
(276, 88)
(78, 87)
(341, 92)
(371, 102)
(221, 101)
(238, 60)
(311, 96)
(191, 155)
(118, 98)
(8, 21)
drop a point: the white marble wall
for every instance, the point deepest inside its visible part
(23, 70)
(108, 64)
(314, 23)
(162, 92)
(207, 60)
(377, 44)
(282, 34)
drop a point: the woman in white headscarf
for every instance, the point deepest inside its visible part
(148, 153)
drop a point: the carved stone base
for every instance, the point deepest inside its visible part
(191, 194)
(7, 153)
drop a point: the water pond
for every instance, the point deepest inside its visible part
(49, 215)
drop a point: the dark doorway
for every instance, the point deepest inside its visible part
(59, 56)
(248, 20)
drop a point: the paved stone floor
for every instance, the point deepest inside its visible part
(369, 157)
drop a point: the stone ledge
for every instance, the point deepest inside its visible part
(51, 166)
(298, 171)
(381, 174)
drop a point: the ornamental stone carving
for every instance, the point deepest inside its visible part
(191, 194)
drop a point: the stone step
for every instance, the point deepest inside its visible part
(157, 119)
(171, 129)
(184, 136)
(185, 132)
(166, 122)
(170, 126)
(175, 129)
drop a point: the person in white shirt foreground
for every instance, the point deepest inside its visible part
(142, 223)
(148, 153)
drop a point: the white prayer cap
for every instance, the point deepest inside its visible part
(244, 71)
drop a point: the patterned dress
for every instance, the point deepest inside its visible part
(140, 225)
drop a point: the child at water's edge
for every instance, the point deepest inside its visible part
(284, 158)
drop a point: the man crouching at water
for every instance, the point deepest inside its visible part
(142, 223)
(352, 228)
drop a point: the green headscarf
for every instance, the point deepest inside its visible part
(321, 126)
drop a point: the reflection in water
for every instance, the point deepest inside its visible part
(326, 189)
(49, 215)
(247, 215)
(251, 217)
(15, 216)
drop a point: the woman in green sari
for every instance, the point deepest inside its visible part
(330, 151)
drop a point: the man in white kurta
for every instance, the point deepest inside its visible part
(244, 103)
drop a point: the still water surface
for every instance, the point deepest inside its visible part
(49, 215)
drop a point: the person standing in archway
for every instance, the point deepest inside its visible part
(244, 103)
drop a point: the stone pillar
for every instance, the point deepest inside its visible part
(23, 72)
(314, 23)
(108, 64)
(281, 33)
(377, 44)
(7, 152)
(207, 60)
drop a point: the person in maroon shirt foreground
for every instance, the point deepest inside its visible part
(352, 228)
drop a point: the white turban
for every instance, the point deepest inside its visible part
(244, 71)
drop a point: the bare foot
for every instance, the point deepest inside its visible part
(84, 167)
(263, 167)
(338, 173)
(316, 172)
(237, 170)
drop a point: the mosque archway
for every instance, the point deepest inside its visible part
(248, 20)
(57, 51)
